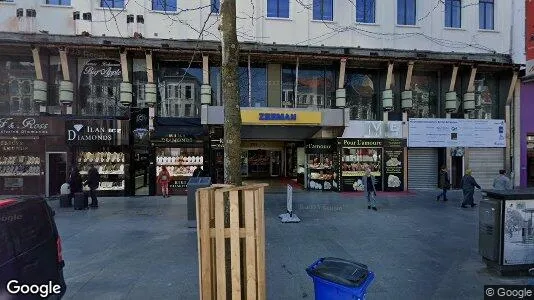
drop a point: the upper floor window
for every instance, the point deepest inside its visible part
(365, 11)
(362, 100)
(406, 12)
(453, 13)
(16, 87)
(164, 5)
(315, 87)
(253, 86)
(323, 10)
(179, 91)
(7, 0)
(278, 9)
(424, 87)
(58, 2)
(215, 6)
(486, 14)
(112, 3)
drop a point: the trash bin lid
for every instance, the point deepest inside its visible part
(340, 271)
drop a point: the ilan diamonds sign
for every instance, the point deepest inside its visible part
(97, 132)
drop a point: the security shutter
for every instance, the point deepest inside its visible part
(485, 164)
(422, 168)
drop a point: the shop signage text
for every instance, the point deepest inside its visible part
(177, 139)
(108, 132)
(23, 126)
(320, 146)
(280, 117)
(277, 117)
(13, 145)
(361, 142)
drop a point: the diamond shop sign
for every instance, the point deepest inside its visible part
(88, 132)
(15, 126)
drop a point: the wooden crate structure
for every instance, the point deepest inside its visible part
(241, 237)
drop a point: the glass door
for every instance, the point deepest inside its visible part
(276, 159)
(244, 163)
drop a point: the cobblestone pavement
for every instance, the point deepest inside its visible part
(141, 248)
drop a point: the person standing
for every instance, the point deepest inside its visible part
(93, 181)
(444, 183)
(369, 189)
(468, 187)
(75, 182)
(502, 182)
(163, 180)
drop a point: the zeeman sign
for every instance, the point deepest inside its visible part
(280, 117)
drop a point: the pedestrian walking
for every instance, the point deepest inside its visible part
(468, 187)
(369, 189)
(444, 183)
(502, 182)
(163, 180)
(93, 181)
(75, 182)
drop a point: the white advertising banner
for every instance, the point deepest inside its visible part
(373, 130)
(470, 133)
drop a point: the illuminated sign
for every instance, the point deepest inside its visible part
(280, 117)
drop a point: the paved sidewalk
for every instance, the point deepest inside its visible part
(140, 247)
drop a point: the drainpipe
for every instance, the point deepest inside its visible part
(508, 115)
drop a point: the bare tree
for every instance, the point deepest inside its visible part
(230, 93)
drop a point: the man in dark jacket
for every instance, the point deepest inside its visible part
(93, 181)
(75, 182)
(444, 183)
(468, 187)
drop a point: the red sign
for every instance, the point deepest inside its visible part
(529, 30)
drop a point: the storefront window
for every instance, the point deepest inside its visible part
(99, 89)
(181, 163)
(315, 88)
(179, 91)
(55, 76)
(485, 97)
(361, 96)
(139, 79)
(424, 88)
(258, 87)
(16, 87)
(216, 86)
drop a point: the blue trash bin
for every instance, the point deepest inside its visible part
(339, 279)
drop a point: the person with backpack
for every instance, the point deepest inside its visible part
(369, 188)
(444, 183)
(163, 180)
(468, 187)
(93, 181)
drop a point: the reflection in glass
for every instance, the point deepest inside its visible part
(315, 89)
(179, 92)
(424, 96)
(484, 98)
(360, 96)
(258, 87)
(16, 88)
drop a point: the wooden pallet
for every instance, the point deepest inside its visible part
(243, 231)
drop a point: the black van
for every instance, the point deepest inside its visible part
(31, 264)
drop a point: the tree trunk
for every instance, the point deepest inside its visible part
(230, 94)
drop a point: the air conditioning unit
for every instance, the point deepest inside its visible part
(83, 23)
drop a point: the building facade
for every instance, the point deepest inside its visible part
(137, 86)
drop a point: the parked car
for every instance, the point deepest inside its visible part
(31, 263)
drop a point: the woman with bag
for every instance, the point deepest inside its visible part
(369, 188)
(163, 180)
(444, 183)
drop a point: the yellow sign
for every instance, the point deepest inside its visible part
(280, 117)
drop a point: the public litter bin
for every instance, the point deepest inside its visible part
(336, 278)
(506, 230)
(193, 184)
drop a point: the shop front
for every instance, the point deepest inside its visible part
(103, 143)
(476, 144)
(140, 153)
(322, 165)
(383, 157)
(180, 147)
(373, 145)
(32, 155)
